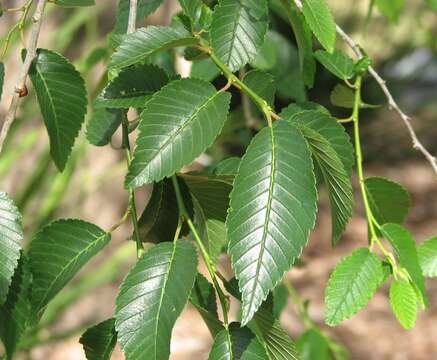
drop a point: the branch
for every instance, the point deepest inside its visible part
(132, 21)
(21, 81)
(393, 105)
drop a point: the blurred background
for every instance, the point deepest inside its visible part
(91, 187)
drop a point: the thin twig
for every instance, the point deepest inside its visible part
(393, 105)
(21, 81)
(132, 22)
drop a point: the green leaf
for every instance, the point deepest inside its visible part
(182, 111)
(321, 121)
(267, 56)
(102, 124)
(273, 337)
(279, 300)
(427, 252)
(2, 78)
(352, 284)
(344, 97)
(62, 99)
(336, 178)
(11, 237)
(152, 297)
(99, 341)
(211, 201)
(321, 22)
(337, 63)
(228, 166)
(391, 9)
(262, 83)
(159, 220)
(237, 31)
(278, 345)
(286, 71)
(71, 3)
(144, 9)
(204, 69)
(145, 42)
(389, 201)
(405, 248)
(333, 152)
(199, 14)
(304, 42)
(57, 252)
(313, 345)
(432, 4)
(15, 312)
(272, 210)
(237, 343)
(203, 298)
(403, 301)
(132, 87)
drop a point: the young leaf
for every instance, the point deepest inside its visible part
(57, 252)
(343, 96)
(405, 248)
(237, 31)
(145, 42)
(152, 297)
(102, 124)
(391, 9)
(11, 237)
(71, 3)
(388, 200)
(99, 341)
(211, 201)
(338, 63)
(262, 83)
(237, 343)
(403, 301)
(352, 284)
(304, 42)
(144, 9)
(177, 125)
(193, 9)
(15, 312)
(427, 252)
(321, 22)
(272, 210)
(203, 298)
(132, 87)
(62, 99)
(312, 345)
(228, 166)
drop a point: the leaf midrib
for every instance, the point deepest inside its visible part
(267, 218)
(161, 300)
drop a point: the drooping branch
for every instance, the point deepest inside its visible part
(21, 81)
(393, 105)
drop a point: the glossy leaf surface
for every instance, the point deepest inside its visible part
(180, 122)
(152, 297)
(62, 99)
(272, 210)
